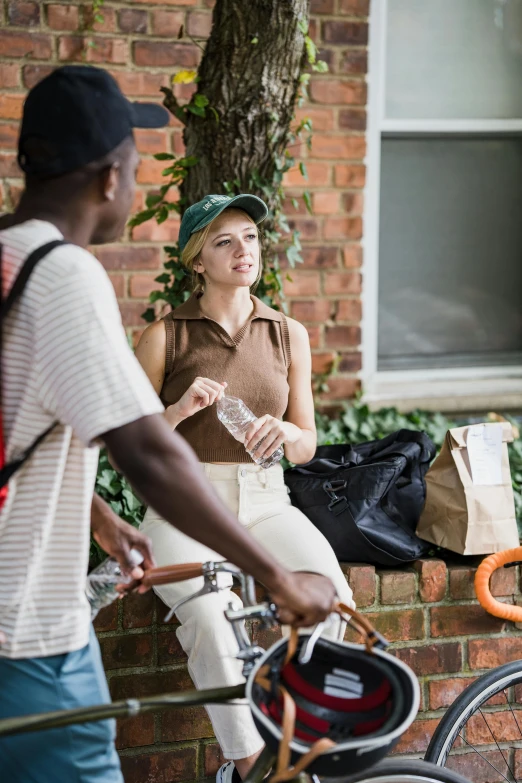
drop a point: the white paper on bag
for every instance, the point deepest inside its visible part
(485, 453)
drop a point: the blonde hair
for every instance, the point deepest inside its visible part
(192, 250)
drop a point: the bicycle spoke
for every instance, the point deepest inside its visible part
(488, 761)
(498, 746)
(515, 718)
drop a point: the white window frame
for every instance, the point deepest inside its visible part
(445, 389)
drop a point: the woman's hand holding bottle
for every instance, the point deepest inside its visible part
(201, 393)
(268, 433)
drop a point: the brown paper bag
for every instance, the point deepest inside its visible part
(468, 518)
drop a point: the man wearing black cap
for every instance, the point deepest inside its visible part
(65, 359)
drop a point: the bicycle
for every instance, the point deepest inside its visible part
(482, 730)
(387, 771)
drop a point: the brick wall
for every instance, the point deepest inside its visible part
(137, 43)
(428, 611)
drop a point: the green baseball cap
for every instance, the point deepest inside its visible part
(203, 212)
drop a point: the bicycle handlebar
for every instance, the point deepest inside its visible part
(172, 573)
(482, 577)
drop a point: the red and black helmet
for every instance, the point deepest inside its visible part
(348, 705)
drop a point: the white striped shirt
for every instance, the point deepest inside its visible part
(65, 357)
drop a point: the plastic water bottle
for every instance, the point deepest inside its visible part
(234, 414)
(102, 580)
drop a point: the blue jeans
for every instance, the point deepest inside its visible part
(83, 753)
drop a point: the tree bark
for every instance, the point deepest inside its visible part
(250, 74)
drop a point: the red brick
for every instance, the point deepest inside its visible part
(307, 227)
(488, 653)
(165, 2)
(130, 20)
(150, 171)
(341, 336)
(352, 176)
(159, 54)
(118, 283)
(314, 334)
(19, 44)
(322, 119)
(361, 579)
(343, 228)
(105, 50)
(433, 658)
(302, 284)
(152, 232)
(311, 310)
(401, 625)
(11, 106)
(318, 175)
(149, 683)
(32, 74)
(458, 620)
(108, 23)
(167, 767)
(503, 582)
(355, 33)
(349, 310)
(151, 141)
(9, 75)
(353, 203)
(442, 693)
(138, 609)
(322, 362)
(167, 23)
(319, 257)
(8, 164)
(432, 579)
(352, 119)
(142, 285)
(351, 92)
(63, 17)
(352, 256)
(322, 7)
(325, 203)
(417, 738)
(186, 724)
(354, 7)
(354, 62)
(199, 24)
(213, 759)
(135, 732)
(23, 14)
(136, 84)
(107, 618)
(338, 147)
(169, 649)
(480, 768)
(128, 257)
(342, 389)
(504, 726)
(121, 652)
(397, 587)
(8, 136)
(342, 283)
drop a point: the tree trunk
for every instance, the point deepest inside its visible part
(250, 75)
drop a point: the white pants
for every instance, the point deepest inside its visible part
(259, 498)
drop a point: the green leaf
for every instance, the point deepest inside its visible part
(142, 217)
(198, 110)
(254, 41)
(308, 201)
(303, 169)
(201, 100)
(162, 214)
(164, 156)
(302, 26)
(321, 66)
(152, 200)
(149, 315)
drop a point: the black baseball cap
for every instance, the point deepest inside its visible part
(78, 114)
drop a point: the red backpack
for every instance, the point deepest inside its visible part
(8, 469)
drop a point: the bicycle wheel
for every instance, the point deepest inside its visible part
(480, 736)
(405, 771)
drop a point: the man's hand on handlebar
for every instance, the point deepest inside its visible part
(303, 599)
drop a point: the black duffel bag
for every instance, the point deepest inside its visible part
(367, 499)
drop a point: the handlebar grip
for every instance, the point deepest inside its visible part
(482, 577)
(164, 575)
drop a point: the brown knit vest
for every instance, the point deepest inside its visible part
(254, 363)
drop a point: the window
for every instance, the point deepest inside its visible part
(444, 288)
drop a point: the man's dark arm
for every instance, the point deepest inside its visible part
(166, 474)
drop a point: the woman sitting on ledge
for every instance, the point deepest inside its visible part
(221, 339)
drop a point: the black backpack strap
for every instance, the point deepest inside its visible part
(5, 306)
(24, 274)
